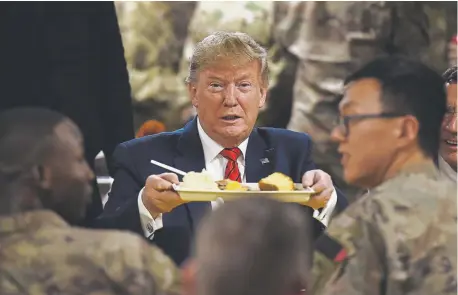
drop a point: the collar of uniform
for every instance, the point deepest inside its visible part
(427, 168)
(424, 167)
(29, 221)
(212, 148)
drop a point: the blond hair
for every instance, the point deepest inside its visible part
(235, 46)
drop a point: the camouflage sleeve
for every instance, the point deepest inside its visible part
(390, 245)
(348, 259)
(286, 32)
(419, 30)
(163, 270)
(409, 30)
(137, 268)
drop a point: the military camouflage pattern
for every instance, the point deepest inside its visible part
(453, 54)
(153, 34)
(255, 18)
(400, 239)
(42, 255)
(331, 39)
(250, 17)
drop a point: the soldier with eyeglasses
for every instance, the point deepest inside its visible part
(401, 237)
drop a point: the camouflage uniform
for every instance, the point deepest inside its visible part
(251, 17)
(153, 34)
(332, 39)
(42, 255)
(401, 238)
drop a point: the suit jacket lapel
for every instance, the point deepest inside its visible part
(190, 157)
(260, 157)
(190, 154)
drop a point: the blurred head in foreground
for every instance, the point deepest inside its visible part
(251, 246)
(42, 164)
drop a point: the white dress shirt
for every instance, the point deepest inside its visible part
(446, 170)
(215, 163)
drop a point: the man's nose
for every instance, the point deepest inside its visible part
(337, 135)
(451, 123)
(89, 173)
(230, 96)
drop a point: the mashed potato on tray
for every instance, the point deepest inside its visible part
(199, 181)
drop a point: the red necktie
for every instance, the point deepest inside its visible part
(232, 168)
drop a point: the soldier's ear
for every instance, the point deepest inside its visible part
(192, 92)
(42, 176)
(407, 133)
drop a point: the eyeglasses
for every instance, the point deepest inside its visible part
(342, 123)
(450, 116)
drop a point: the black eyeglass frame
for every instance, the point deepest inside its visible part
(343, 122)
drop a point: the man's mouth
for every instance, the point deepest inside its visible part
(230, 118)
(344, 158)
(451, 142)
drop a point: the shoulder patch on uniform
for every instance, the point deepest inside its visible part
(330, 248)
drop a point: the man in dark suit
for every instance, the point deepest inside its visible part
(68, 56)
(227, 84)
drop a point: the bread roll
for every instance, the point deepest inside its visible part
(276, 182)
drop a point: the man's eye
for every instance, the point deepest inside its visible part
(215, 85)
(451, 110)
(245, 85)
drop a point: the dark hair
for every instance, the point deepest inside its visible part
(450, 75)
(254, 245)
(410, 88)
(26, 138)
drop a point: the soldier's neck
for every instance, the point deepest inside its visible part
(14, 201)
(403, 160)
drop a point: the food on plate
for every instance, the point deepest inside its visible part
(231, 185)
(276, 182)
(199, 181)
(235, 186)
(204, 181)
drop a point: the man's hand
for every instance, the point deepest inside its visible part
(321, 183)
(158, 195)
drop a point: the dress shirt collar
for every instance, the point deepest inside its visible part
(446, 170)
(212, 148)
